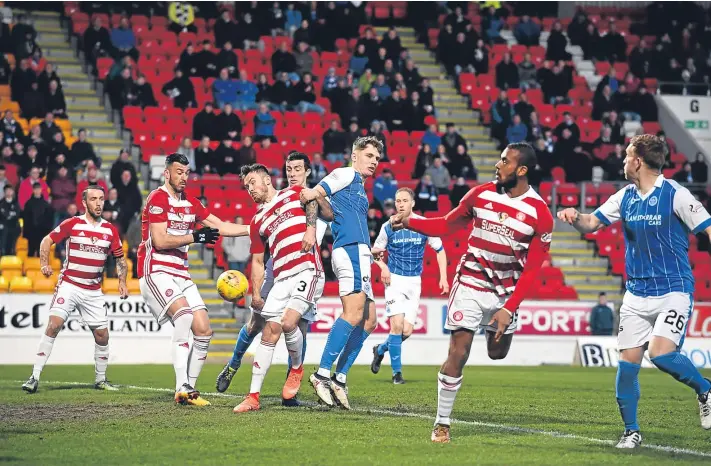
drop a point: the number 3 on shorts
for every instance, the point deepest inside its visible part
(675, 319)
(302, 286)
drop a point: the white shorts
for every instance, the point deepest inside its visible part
(403, 297)
(89, 303)
(473, 309)
(160, 290)
(310, 315)
(659, 316)
(298, 292)
(351, 264)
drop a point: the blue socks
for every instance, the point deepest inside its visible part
(395, 353)
(350, 352)
(383, 347)
(243, 342)
(627, 391)
(337, 339)
(682, 369)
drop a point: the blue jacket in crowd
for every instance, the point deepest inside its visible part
(264, 124)
(516, 133)
(246, 91)
(123, 38)
(225, 91)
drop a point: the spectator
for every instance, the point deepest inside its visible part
(645, 104)
(391, 43)
(54, 100)
(189, 61)
(375, 221)
(369, 108)
(377, 63)
(27, 186)
(248, 92)
(112, 208)
(283, 60)
(25, 45)
(304, 59)
(37, 139)
(5, 71)
(603, 104)
(376, 130)
(342, 101)
(394, 113)
(632, 82)
(304, 93)
(130, 199)
(186, 148)
(557, 43)
(304, 33)
(458, 21)
(462, 58)
(527, 32)
(517, 130)
(247, 153)
(4, 181)
(11, 129)
(205, 123)
(370, 43)
(33, 103)
(578, 165)
(205, 157)
(569, 123)
(82, 151)
(64, 190)
(605, 137)
(684, 175)
(236, 250)
(92, 177)
(10, 213)
(182, 17)
(352, 134)
(33, 158)
(501, 116)
(451, 140)
(365, 82)
(615, 163)
(97, 42)
(610, 79)
(618, 134)
(37, 218)
(440, 176)
(359, 60)
(206, 61)
(180, 90)
(133, 238)
(318, 170)
(228, 124)
(431, 136)
(426, 95)
(334, 142)
(225, 29)
(523, 108)
(280, 93)
(507, 73)
(381, 87)
(227, 158)
(293, 19)
(481, 58)
(124, 40)
(5, 37)
(699, 169)
(556, 87)
(425, 158)
(459, 190)
(535, 129)
(576, 28)
(143, 93)
(415, 113)
(461, 164)
(249, 33)
(264, 90)
(639, 61)
(613, 45)
(626, 104)
(492, 25)
(121, 89)
(426, 200)
(591, 43)
(526, 73)
(122, 164)
(384, 187)
(21, 80)
(602, 321)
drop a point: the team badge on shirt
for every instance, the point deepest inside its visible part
(653, 201)
(521, 217)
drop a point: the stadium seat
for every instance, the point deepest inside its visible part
(4, 284)
(43, 285)
(20, 285)
(110, 286)
(10, 263)
(31, 263)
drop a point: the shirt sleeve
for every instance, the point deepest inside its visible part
(256, 241)
(337, 180)
(116, 246)
(691, 211)
(435, 243)
(381, 242)
(157, 209)
(63, 230)
(610, 211)
(201, 212)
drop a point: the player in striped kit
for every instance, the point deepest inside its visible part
(658, 215)
(90, 239)
(169, 222)
(288, 229)
(298, 169)
(511, 234)
(402, 279)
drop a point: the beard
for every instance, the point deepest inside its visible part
(93, 215)
(506, 185)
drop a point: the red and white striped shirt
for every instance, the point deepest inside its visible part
(87, 248)
(281, 224)
(181, 215)
(506, 232)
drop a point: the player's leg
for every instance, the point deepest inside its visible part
(202, 332)
(294, 339)
(397, 324)
(498, 350)
(394, 321)
(246, 336)
(55, 324)
(409, 318)
(101, 358)
(90, 305)
(304, 325)
(262, 361)
(667, 339)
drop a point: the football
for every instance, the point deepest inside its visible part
(232, 285)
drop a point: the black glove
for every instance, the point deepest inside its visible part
(206, 235)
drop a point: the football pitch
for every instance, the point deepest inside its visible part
(505, 415)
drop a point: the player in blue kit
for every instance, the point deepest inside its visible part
(402, 277)
(351, 261)
(657, 216)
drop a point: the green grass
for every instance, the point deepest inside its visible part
(69, 423)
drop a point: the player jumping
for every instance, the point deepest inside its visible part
(288, 229)
(658, 215)
(90, 239)
(169, 220)
(403, 283)
(511, 234)
(298, 169)
(351, 261)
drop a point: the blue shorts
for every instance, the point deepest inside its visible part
(351, 264)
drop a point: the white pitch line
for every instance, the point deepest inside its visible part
(387, 412)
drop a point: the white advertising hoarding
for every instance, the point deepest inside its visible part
(694, 112)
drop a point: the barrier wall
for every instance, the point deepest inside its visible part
(550, 332)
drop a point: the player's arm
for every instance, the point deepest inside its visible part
(692, 212)
(309, 240)
(225, 228)
(121, 265)
(325, 211)
(608, 213)
(162, 240)
(436, 244)
(60, 233)
(378, 251)
(439, 226)
(258, 274)
(332, 183)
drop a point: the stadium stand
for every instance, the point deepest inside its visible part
(556, 82)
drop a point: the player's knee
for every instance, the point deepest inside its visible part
(498, 353)
(396, 328)
(101, 336)
(52, 330)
